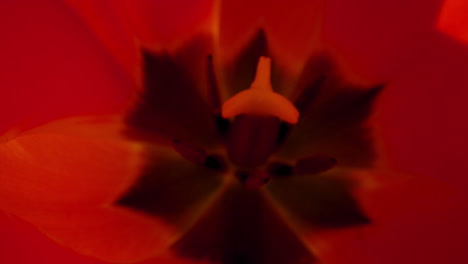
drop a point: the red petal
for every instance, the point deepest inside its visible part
(421, 115)
(379, 38)
(59, 184)
(40, 170)
(453, 19)
(167, 22)
(53, 66)
(106, 19)
(111, 234)
(235, 33)
(22, 244)
(414, 221)
(294, 29)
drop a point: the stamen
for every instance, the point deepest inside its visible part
(190, 152)
(216, 162)
(253, 179)
(314, 164)
(260, 99)
(279, 169)
(199, 156)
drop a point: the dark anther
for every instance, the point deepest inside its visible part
(283, 132)
(308, 95)
(215, 162)
(189, 151)
(222, 125)
(253, 179)
(242, 175)
(314, 164)
(278, 169)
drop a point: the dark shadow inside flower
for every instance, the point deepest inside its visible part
(241, 227)
(333, 116)
(171, 188)
(319, 201)
(171, 105)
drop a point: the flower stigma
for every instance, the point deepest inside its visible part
(260, 99)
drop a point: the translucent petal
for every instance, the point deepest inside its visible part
(66, 186)
(48, 169)
(19, 237)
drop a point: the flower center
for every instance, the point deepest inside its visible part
(262, 138)
(254, 122)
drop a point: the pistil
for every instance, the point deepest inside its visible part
(252, 139)
(258, 111)
(260, 99)
(254, 123)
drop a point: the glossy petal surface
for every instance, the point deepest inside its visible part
(61, 170)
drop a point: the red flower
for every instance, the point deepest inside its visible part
(71, 76)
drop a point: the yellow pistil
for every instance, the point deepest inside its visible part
(260, 99)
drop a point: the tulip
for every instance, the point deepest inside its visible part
(233, 132)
